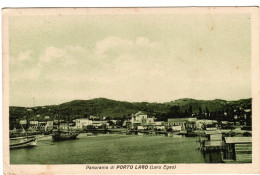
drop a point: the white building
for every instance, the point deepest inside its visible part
(99, 124)
(177, 122)
(204, 122)
(49, 125)
(23, 122)
(150, 121)
(160, 127)
(82, 122)
(139, 117)
(34, 124)
(42, 125)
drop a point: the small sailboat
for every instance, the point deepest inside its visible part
(20, 138)
(21, 142)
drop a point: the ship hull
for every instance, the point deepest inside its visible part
(22, 142)
(59, 136)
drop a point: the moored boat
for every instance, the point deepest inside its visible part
(172, 133)
(21, 142)
(64, 135)
(67, 133)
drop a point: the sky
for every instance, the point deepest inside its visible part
(153, 58)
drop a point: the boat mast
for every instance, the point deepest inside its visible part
(58, 117)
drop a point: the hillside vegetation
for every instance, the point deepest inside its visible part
(113, 109)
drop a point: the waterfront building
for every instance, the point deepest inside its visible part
(214, 135)
(82, 122)
(66, 125)
(176, 128)
(49, 125)
(139, 118)
(159, 127)
(41, 125)
(191, 123)
(177, 122)
(34, 124)
(99, 124)
(203, 124)
(159, 123)
(150, 121)
(199, 124)
(213, 141)
(237, 149)
(140, 127)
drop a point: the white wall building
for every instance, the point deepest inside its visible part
(82, 122)
(34, 124)
(23, 122)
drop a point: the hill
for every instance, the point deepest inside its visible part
(122, 110)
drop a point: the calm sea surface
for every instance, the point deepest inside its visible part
(114, 148)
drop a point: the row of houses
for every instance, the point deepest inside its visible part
(76, 124)
(141, 121)
(138, 121)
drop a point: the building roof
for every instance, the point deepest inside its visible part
(99, 122)
(140, 113)
(238, 139)
(212, 132)
(177, 119)
(206, 121)
(82, 119)
(42, 122)
(213, 143)
(192, 119)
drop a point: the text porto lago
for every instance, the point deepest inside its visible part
(123, 167)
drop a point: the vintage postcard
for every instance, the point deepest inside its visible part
(131, 90)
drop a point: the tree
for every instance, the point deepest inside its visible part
(85, 115)
(207, 112)
(190, 110)
(174, 112)
(200, 113)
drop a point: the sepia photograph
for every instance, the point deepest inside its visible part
(130, 88)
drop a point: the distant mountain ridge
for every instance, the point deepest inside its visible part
(120, 109)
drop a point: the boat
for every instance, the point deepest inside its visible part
(21, 138)
(64, 135)
(21, 142)
(172, 133)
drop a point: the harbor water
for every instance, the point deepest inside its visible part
(114, 149)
